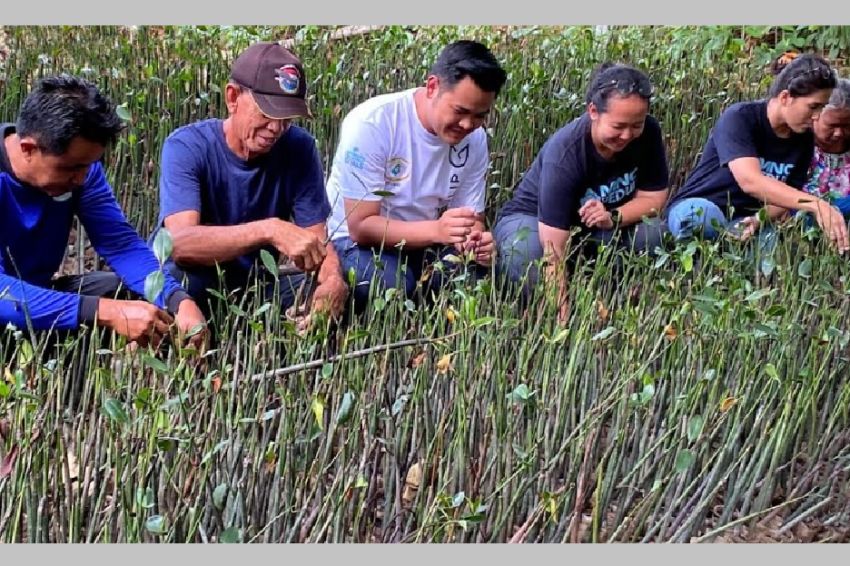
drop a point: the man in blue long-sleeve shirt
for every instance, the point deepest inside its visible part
(50, 171)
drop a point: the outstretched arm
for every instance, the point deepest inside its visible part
(748, 175)
(122, 247)
(331, 289)
(23, 305)
(555, 242)
(31, 307)
(195, 244)
(131, 258)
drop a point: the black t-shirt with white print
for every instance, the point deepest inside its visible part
(743, 130)
(569, 170)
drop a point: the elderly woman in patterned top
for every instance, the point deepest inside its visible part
(829, 173)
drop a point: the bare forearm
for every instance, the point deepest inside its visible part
(208, 245)
(373, 230)
(330, 266)
(776, 212)
(554, 272)
(556, 275)
(633, 211)
(772, 192)
(555, 243)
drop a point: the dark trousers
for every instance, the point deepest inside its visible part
(199, 281)
(98, 283)
(518, 242)
(377, 269)
(71, 348)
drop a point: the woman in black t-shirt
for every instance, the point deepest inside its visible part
(758, 154)
(601, 174)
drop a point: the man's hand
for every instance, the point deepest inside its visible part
(300, 245)
(330, 296)
(188, 317)
(479, 243)
(139, 321)
(455, 225)
(593, 214)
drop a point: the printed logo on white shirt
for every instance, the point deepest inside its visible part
(398, 169)
(386, 155)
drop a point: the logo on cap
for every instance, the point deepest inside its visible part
(288, 78)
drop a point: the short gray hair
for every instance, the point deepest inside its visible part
(840, 98)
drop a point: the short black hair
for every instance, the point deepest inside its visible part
(466, 58)
(802, 75)
(63, 107)
(616, 78)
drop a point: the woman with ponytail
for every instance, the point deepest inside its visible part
(599, 175)
(758, 155)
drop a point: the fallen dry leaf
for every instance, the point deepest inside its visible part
(450, 315)
(416, 360)
(73, 466)
(444, 364)
(411, 484)
(803, 533)
(8, 462)
(727, 404)
(670, 332)
(426, 274)
(602, 310)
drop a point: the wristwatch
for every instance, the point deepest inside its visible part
(616, 216)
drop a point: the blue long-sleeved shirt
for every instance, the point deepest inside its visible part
(34, 232)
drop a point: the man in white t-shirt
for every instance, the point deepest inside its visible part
(409, 172)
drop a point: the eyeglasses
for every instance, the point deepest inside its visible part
(627, 86)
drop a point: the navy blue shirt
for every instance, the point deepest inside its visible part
(569, 170)
(743, 130)
(201, 173)
(34, 231)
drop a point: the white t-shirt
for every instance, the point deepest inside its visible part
(384, 147)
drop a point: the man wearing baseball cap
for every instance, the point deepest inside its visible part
(230, 188)
(275, 78)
